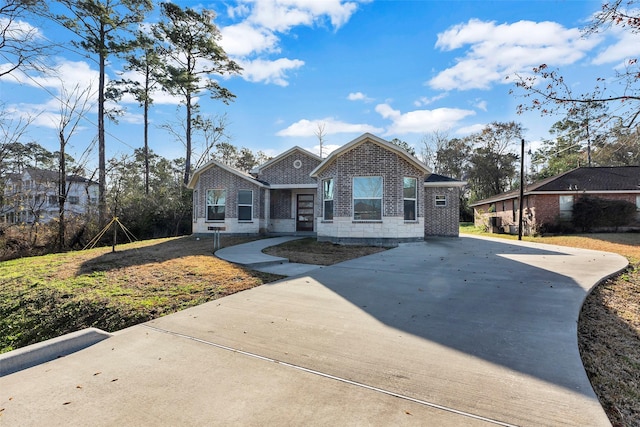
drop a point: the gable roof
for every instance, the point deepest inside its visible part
(279, 157)
(437, 180)
(213, 163)
(615, 179)
(367, 137)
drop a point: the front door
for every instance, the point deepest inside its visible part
(304, 212)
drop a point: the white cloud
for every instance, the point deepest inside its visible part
(251, 40)
(261, 70)
(326, 149)
(63, 73)
(305, 127)
(423, 100)
(481, 105)
(359, 96)
(468, 130)
(421, 121)
(498, 50)
(627, 46)
(281, 15)
(244, 39)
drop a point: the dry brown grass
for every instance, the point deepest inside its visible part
(44, 297)
(310, 251)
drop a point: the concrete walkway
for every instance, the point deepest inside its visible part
(469, 331)
(251, 256)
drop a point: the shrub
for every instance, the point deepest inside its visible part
(593, 212)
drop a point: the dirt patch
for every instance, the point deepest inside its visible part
(310, 251)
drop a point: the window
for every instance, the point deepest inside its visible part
(53, 200)
(245, 205)
(367, 198)
(441, 200)
(215, 205)
(566, 206)
(74, 200)
(410, 194)
(327, 199)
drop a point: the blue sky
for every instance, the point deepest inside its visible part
(398, 69)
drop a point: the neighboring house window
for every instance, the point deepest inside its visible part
(53, 200)
(566, 206)
(327, 199)
(441, 200)
(74, 200)
(410, 194)
(215, 204)
(245, 205)
(367, 198)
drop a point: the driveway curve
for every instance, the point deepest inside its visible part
(468, 331)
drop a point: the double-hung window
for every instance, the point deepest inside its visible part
(215, 204)
(410, 194)
(367, 198)
(327, 199)
(245, 205)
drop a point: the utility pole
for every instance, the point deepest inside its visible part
(521, 189)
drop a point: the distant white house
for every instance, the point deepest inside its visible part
(32, 196)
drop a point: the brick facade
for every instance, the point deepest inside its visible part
(539, 209)
(283, 171)
(277, 184)
(441, 220)
(217, 178)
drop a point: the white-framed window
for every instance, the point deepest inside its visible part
(245, 205)
(327, 199)
(440, 200)
(410, 195)
(566, 206)
(367, 198)
(216, 200)
(74, 200)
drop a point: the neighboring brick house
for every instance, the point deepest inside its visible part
(32, 196)
(551, 200)
(367, 191)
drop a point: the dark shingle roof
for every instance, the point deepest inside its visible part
(434, 177)
(594, 179)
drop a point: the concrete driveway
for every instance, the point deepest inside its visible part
(449, 332)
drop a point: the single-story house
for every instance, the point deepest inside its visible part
(551, 200)
(367, 191)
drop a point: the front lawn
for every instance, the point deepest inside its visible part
(48, 296)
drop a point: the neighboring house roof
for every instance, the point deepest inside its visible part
(276, 159)
(80, 179)
(367, 137)
(613, 179)
(437, 180)
(213, 163)
(42, 175)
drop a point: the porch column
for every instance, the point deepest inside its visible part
(267, 209)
